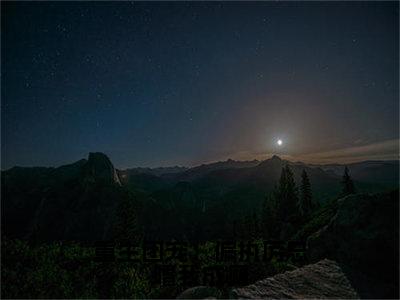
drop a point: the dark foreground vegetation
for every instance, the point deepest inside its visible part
(52, 218)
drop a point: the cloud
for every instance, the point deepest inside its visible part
(378, 151)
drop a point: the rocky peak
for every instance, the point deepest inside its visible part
(275, 158)
(100, 167)
(274, 162)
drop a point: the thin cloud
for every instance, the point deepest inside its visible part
(387, 150)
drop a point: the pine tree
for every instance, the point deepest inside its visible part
(306, 203)
(347, 182)
(286, 196)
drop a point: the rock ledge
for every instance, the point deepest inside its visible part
(324, 279)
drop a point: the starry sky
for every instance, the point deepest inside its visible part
(183, 83)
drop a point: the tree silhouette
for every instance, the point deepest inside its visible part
(286, 195)
(348, 185)
(306, 203)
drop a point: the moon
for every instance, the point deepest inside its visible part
(279, 142)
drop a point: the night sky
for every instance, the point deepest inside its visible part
(158, 84)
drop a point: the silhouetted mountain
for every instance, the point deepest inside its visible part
(79, 200)
(202, 170)
(383, 172)
(144, 182)
(75, 201)
(155, 171)
(100, 168)
(263, 178)
(149, 179)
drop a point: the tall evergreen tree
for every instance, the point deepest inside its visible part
(286, 195)
(347, 182)
(306, 203)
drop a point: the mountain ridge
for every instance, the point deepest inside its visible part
(177, 168)
(90, 190)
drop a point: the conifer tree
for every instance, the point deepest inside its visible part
(286, 195)
(306, 203)
(347, 182)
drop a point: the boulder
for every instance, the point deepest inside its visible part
(324, 279)
(200, 292)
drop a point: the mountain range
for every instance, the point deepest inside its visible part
(80, 201)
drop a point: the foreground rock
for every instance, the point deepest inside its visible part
(324, 279)
(363, 237)
(200, 292)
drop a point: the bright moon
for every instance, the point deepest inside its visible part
(279, 142)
